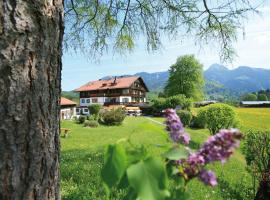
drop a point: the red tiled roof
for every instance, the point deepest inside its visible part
(65, 102)
(123, 82)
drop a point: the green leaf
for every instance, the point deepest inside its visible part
(176, 153)
(115, 165)
(148, 179)
(135, 155)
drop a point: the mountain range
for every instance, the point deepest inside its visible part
(219, 80)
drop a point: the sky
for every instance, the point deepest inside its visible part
(252, 50)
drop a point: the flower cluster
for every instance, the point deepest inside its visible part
(220, 146)
(217, 148)
(175, 127)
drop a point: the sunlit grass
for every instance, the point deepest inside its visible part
(82, 159)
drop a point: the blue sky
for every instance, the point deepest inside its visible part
(253, 50)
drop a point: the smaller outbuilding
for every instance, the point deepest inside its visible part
(263, 104)
(68, 108)
(204, 103)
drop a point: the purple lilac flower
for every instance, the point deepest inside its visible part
(194, 163)
(220, 147)
(208, 177)
(175, 127)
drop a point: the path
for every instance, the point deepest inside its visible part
(155, 121)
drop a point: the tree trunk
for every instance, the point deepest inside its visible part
(30, 73)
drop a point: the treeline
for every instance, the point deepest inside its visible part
(262, 95)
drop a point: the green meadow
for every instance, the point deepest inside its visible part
(82, 157)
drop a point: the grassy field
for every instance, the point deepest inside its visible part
(82, 157)
(254, 118)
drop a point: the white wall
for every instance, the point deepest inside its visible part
(100, 100)
(121, 98)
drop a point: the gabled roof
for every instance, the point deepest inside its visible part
(66, 102)
(114, 83)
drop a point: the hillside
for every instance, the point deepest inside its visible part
(220, 82)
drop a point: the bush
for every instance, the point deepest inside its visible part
(198, 121)
(160, 104)
(91, 123)
(218, 116)
(185, 116)
(81, 119)
(178, 100)
(112, 117)
(94, 110)
(257, 153)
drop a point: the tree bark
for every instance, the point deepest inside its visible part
(31, 34)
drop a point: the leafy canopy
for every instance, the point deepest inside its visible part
(96, 25)
(186, 77)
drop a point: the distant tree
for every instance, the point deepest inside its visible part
(186, 77)
(161, 94)
(249, 97)
(262, 97)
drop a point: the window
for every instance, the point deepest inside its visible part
(125, 91)
(87, 100)
(85, 110)
(125, 100)
(83, 100)
(94, 100)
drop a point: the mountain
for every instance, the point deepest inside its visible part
(155, 81)
(220, 82)
(242, 79)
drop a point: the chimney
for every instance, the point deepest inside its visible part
(114, 82)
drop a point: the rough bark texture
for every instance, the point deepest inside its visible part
(30, 73)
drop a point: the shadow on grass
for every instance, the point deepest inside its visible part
(194, 145)
(238, 192)
(80, 175)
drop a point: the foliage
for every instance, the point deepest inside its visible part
(249, 97)
(218, 116)
(94, 110)
(81, 119)
(146, 177)
(94, 26)
(198, 119)
(112, 117)
(74, 96)
(186, 77)
(257, 153)
(185, 116)
(160, 104)
(262, 97)
(91, 123)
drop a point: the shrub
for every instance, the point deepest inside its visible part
(185, 116)
(160, 104)
(257, 153)
(81, 119)
(91, 123)
(113, 116)
(94, 110)
(218, 116)
(178, 100)
(198, 121)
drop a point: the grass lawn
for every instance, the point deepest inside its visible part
(254, 118)
(82, 159)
